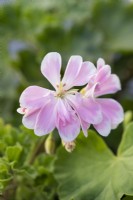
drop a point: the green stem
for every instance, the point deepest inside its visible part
(39, 147)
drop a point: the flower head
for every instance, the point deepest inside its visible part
(103, 82)
(45, 109)
(67, 109)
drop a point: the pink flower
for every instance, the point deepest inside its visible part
(44, 109)
(102, 83)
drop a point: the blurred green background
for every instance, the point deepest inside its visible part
(90, 28)
(31, 28)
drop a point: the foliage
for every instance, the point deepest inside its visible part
(30, 29)
(24, 166)
(100, 174)
(91, 170)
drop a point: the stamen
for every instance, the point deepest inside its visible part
(83, 91)
(73, 91)
(60, 90)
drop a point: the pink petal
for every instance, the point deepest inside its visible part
(87, 108)
(72, 71)
(76, 102)
(67, 122)
(91, 90)
(104, 127)
(112, 110)
(85, 73)
(63, 110)
(50, 68)
(34, 97)
(21, 110)
(100, 63)
(103, 74)
(85, 126)
(45, 122)
(29, 120)
(69, 131)
(110, 86)
(93, 115)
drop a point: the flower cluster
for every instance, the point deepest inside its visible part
(69, 109)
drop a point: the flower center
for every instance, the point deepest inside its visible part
(60, 92)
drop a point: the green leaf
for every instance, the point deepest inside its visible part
(127, 197)
(5, 177)
(2, 147)
(24, 164)
(13, 152)
(93, 172)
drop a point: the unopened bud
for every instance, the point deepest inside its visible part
(128, 117)
(69, 146)
(49, 145)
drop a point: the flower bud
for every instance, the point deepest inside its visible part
(69, 146)
(49, 145)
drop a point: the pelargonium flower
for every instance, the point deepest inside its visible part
(44, 109)
(102, 83)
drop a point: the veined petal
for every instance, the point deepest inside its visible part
(85, 126)
(29, 120)
(103, 82)
(86, 71)
(45, 122)
(103, 74)
(67, 122)
(90, 90)
(76, 103)
(69, 131)
(50, 68)
(110, 86)
(34, 97)
(112, 110)
(63, 110)
(72, 71)
(93, 115)
(104, 127)
(87, 108)
(100, 63)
